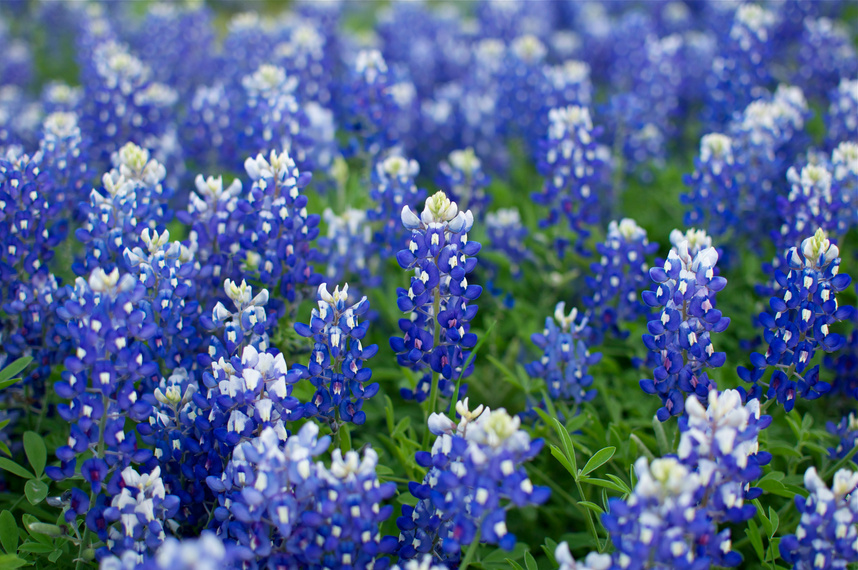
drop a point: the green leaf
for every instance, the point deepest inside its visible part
(36, 548)
(784, 450)
(12, 467)
(12, 370)
(36, 491)
(753, 534)
(620, 483)
(11, 561)
(566, 440)
(55, 555)
(592, 506)
(513, 564)
(5, 449)
(602, 483)
(37, 454)
(561, 457)
(775, 520)
(599, 458)
(529, 561)
(8, 532)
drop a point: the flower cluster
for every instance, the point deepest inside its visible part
(205, 553)
(720, 444)
(462, 178)
(827, 535)
(680, 334)
(566, 358)
(393, 186)
(336, 367)
(280, 509)
(349, 247)
(475, 474)
(439, 298)
(661, 521)
(133, 198)
(713, 186)
(842, 124)
(618, 278)
(803, 310)
(571, 167)
(109, 328)
(64, 157)
(847, 431)
(506, 235)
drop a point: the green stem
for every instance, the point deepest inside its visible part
(472, 551)
(436, 336)
(590, 524)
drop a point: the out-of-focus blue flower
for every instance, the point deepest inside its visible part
(336, 367)
(827, 534)
(842, 117)
(618, 279)
(802, 311)
(476, 474)
(393, 186)
(281, 509)
(207, 552)
(847, 431)
(714, 190)
(810, 204)
(680, 334)
(506, 235)
(348, 248)
(461, 176)
(742, 70)
(566, 358)
(64, 157)
(662, 522)
(826, 56)
(571, 166)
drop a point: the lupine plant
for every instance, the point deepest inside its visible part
(239, 285)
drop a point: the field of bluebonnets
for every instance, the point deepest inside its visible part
(448, 285)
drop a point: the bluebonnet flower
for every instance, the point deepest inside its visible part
(662, 523)
(393, 186)
(369, 108)
(766, 139)
(178, 43)
(506, 235)
(303, 55)
(523, 72)
(680, 334)
(844, 364)
(276, 228)
(248, 43)
(803, 309)
(566, 357)
(204, 553)
(462, 178)
(270, 113)
(825, 56)
(280, 509)
(348, 246)
(618, 278)
(570, 165)
(121, 103)
(827, 534)
(568, 84)
(336, 367)
(64, 157)
(713, 190)
(426, 563)
(439, 298)
(742, 70)
(213, 220)
(842, 112)
(844, 169)
(17, 66)
(593, 560)
(245, 325)
(139, 508)
(109, 328)
(847, 431)
(133, 197)
(210, 127)
(720, 443)
(168, 272)
(20, 117)
(476, 474)
(809, 204)
(59, 97)
(31, 228)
